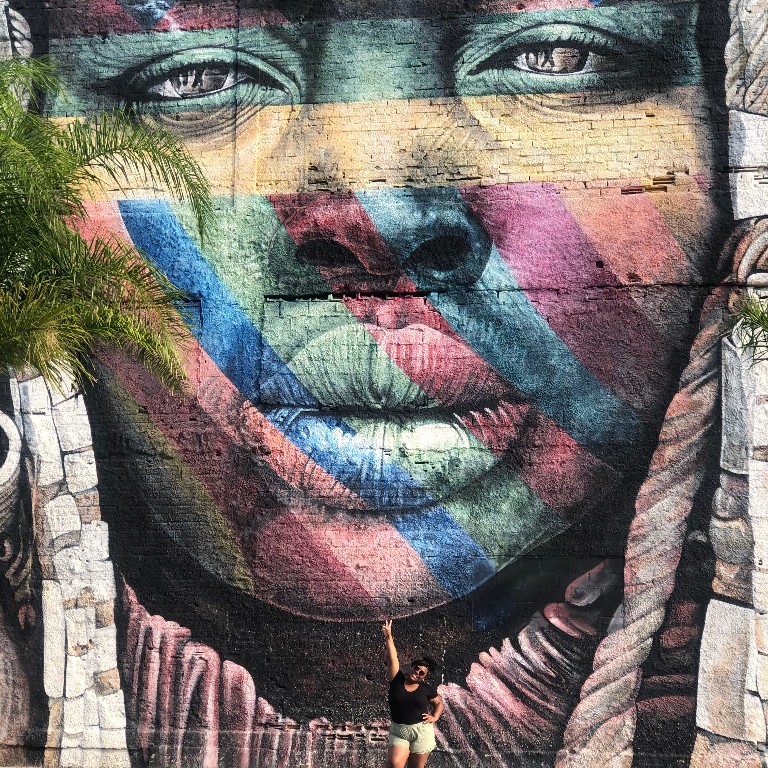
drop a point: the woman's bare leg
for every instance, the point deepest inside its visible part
(397, 757)
(418, 760)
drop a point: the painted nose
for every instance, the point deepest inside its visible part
(395, 240)
(434, 236)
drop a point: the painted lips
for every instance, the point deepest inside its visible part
(353, 369)
(398, 444)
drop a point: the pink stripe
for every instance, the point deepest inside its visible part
(352, 540)
(219, 15)
(311, 580)
(340, 217)
(233, 493)
(563, 474)
(257, 518)
(235, 421)
(548, 460)
(108, 17)
(646, 250)
(103, 219)
(91, 17)
(572, 285)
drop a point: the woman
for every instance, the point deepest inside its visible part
(411, 734)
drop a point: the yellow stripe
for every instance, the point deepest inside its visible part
(451, 142)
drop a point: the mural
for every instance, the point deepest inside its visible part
(455, 359)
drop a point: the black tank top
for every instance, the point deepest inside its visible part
(407, 707)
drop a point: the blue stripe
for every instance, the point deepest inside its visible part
(495, 317)
(241, 353)
(451, 556)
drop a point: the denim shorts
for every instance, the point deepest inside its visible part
(418, 737)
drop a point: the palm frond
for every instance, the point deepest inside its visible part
(121, 298)
(124, 148)
(39, 330)
(751, 316)
(28, 79)
(59, 293)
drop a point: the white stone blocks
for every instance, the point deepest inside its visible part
(758, 487)
(80, 469)
(72, 426)
(43, 442)
(759, 526)
(10, 467)
(102, 577)
(727, 702)
(79, 630)
(70, 568)
(90, 708)
(760, 591)
(78, 676)
(34, 397)
(112, 710)
(104, 648)
(94, 540)
(748, 157)
(113, 738)
(67, 391)
(71, 757)
(73, 721)
(16, 401)
(54, 639)
(79, 663)
(736, 419)
(61, 517)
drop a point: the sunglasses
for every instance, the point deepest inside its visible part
(420, 671)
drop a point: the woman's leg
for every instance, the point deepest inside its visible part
(397, 756)
(418, 760)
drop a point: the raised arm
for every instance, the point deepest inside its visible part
(392, 660)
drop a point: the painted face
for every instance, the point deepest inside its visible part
(440, 312)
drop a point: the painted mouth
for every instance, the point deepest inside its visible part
(365, 368)
(401, 417)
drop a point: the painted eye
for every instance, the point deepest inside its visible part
(195, 81)
(555, 59)
(205, 79)
(552, 60)
(548, 59)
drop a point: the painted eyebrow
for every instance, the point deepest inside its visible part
(328, 10)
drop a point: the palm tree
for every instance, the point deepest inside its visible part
(61, 293)
(750, 315)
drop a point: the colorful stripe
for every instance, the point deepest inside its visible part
(329, 442)
(104, 17)
(256, 515)
(557, 473)
(567, 276)
(500, 323)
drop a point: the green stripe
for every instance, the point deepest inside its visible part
(376, 60)
(250, 251)
(503, 515)
(427, 449)
(512, 518)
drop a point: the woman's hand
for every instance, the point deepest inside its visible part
(393, 663)
(434, 716)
